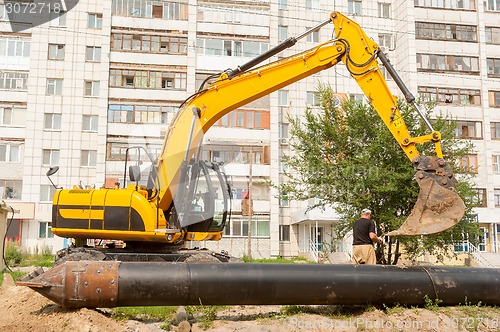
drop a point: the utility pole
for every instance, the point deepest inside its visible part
(250, 208)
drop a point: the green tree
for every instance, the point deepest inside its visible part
(345, 156)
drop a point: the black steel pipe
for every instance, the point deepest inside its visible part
(111, 284)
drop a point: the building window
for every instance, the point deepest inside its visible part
(282, 4)
(469, 129)
(11, 189)
(481, 197)
(230, 14)
(494, 98)
(149, 9)
(47, 192)
(92, 88)
(141, 114)
(230, 47)
(448, 4)
(52, 121)
(496, 163)
(283, 167)
(385, 73)
(284, 233)
(385, 40)
(450, 96)
(468, 163)
(353, 7)
(238, 226)
(93, 53)
(495, 130)
(10, 153)
(312, 4)
(50, 157)
(56, 51)
(493, 67)
(312, 99)
(12, 116)
(282, 33)
(15, 47)
(313, 37)
(89, 123)
(445, 31)
(493, 5)
(147, 79)
(88, 158)
(284, 200)
(493, 35)
(284, 130)
(384, 10)
(452, 63)
(57, 19)
(94, 21)
(497, 197)
(237, 154)
(54, 86)
(45, 230)
(251, 119)
(357, 97)
(282, 97)
(15, 81)
(174, 44)
(117, 151)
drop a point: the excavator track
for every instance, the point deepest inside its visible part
(123, 255)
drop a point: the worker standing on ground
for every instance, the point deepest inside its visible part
(364, 235)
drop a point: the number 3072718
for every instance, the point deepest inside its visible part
(33, 7)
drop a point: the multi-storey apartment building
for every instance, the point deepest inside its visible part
(78, 90)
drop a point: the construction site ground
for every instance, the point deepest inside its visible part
(22, 309)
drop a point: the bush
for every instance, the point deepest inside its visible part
(13, 254)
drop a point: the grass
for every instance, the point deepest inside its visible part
(38, 260)
(157, 313)
(430, 304)
(14, 256)
(15, 275)
(204, 314)
(395, 308)
(164, 314)
(333, 311)
(278, 260)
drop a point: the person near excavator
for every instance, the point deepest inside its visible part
(364, 236)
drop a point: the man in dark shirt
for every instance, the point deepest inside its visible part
(364, 235)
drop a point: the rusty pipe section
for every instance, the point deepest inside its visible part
(90, 284)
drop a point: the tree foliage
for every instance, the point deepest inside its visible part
(346, 157)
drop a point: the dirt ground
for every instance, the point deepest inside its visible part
(22, 309)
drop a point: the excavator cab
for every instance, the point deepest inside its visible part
(203, 199)
(208, 199)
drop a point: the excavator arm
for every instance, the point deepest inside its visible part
(438, 206)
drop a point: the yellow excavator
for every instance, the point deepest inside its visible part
(177, 197)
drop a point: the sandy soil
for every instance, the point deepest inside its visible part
(22, 309)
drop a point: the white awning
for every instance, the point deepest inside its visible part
(316, 214)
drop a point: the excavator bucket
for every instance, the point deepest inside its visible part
(438, 205)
